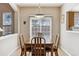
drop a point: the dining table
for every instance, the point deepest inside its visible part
(48, 47)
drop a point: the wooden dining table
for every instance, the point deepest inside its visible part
(48, 47)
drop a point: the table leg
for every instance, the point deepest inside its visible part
(51, 50)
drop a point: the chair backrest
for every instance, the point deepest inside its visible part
(56, 44)
(40, 34)
(38, 46)
(21, 39)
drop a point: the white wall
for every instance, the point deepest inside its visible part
(69, 40)
(8, 44)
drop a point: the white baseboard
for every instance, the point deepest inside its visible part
(13, 51)
(65, 51)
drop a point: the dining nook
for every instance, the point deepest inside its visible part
(38, 46)
(38, 29)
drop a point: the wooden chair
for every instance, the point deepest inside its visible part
(22, 45)
(56, 44)
(38, 46)
(48, 49)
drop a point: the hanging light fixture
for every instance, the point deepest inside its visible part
(39, 15)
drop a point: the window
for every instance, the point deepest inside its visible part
(7, 23)
(42, 25)
(73, 21)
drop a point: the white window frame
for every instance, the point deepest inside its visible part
(50, 27)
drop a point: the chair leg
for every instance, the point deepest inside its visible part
(24, 53)
(21, 53)
(56, 52)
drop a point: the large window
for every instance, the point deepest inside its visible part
(42, 25)
(7, 23)
(73, 21)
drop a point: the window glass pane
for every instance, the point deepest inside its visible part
(7, 18)
(7, 30)
(45, 22)
(76, 19)
(45, 28)
(41, 25)
(35, 27)
(7, 23)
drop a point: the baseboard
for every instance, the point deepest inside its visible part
(65, 51)
(13, 51)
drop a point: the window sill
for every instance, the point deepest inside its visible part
(70, 31)
(8, 36)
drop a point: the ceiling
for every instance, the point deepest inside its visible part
(41, 4)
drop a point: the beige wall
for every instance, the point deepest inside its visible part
(25, 12)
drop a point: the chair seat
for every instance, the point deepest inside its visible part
(29, 48)
(36, 52)
(47, 49)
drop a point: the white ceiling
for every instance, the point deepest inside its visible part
(41, 4)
